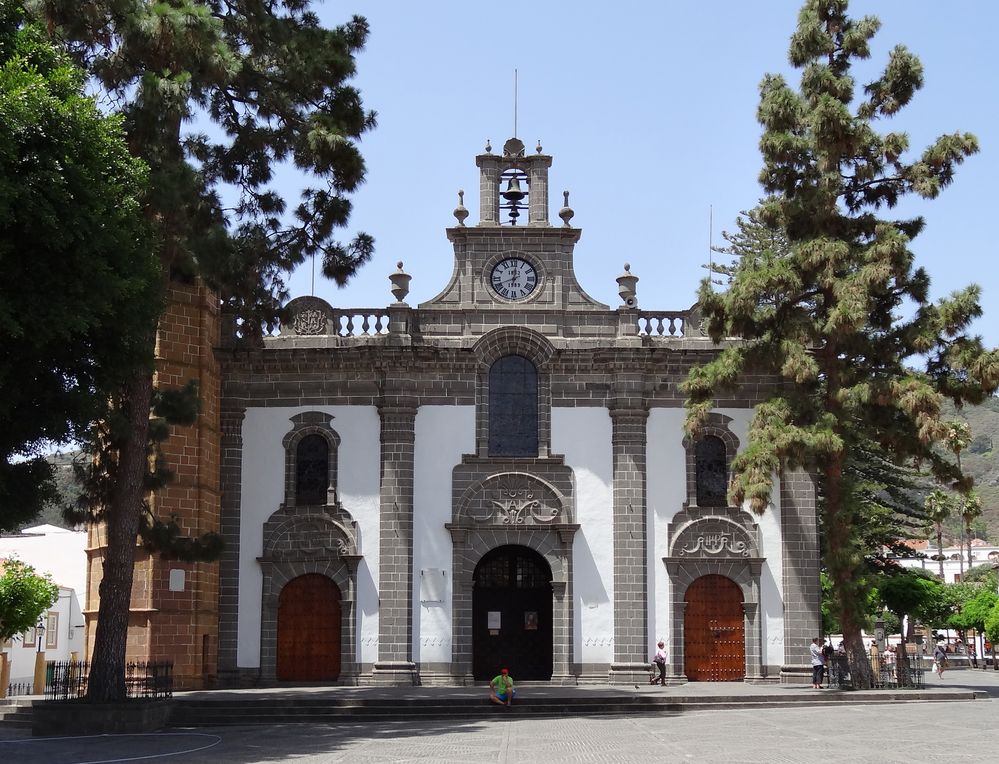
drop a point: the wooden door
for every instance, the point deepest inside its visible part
(714, 640)
(308, 634)
(513, 592)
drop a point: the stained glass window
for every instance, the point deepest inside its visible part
(312, 468)
(711, 473)
(513, 407)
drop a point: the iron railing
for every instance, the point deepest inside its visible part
(890, 677)
(19, 688)
(67, 680)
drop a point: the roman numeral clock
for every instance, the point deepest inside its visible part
(513, 278)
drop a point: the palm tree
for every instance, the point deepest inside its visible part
(957, 438)
(971, 507)
(938, 507)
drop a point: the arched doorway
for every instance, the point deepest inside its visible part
(714, 640)
(308, 629)
(512, 615)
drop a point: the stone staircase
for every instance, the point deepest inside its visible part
(15, 713)
(323, 709)
(208, 713)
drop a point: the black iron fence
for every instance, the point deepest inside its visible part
(891, 677)
(64, 681)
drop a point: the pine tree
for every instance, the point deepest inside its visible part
(839, 320)
(272, 83)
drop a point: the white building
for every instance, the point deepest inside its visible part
(60, 553)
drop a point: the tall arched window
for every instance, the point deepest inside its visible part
(711, 472)
(513, 407)
(312, 470)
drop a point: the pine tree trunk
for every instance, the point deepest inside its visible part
(107, 673)
(838, 527)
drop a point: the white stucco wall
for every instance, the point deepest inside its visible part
(583, 436)
(666, 492)
(358, 467)
(443, 434)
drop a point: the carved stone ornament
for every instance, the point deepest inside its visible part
(310, 321)
(715, 544)
(514, 500)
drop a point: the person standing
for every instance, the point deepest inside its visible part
(818, 662)
(501, 690)
(660, 660)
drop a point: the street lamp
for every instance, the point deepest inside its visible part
(39, 679)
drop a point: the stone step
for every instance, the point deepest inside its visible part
(202, 713)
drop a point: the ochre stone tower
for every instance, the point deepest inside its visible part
(174, 609)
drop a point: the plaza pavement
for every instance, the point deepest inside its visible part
(955, 731)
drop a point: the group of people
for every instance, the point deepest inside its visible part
(822, 655)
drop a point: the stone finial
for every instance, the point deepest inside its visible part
(626, 287)
(489, 147)
(566, 212)
(460, 212)
(538, 147)
(400, 281)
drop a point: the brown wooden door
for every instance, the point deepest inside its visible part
(308, 634)
(714, 640)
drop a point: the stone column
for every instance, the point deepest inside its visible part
(231, 469)
(628, 418)
(489, 175)
(538, 190)
(395, 567)
(801, 590)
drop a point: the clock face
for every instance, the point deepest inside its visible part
(513, 278)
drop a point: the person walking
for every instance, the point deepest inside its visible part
(660, 660)
(818, 662)
(940, 658)
(501, 690)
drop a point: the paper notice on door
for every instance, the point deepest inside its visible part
(493, 620)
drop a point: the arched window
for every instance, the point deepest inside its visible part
(513, 407)
(711, 472)
(312, 470)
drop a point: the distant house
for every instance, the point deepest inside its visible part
(60, 553)
(955, 558)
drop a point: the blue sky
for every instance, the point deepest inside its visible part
(648, 109)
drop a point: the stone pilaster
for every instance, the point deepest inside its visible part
(538, 196)
(801, 590)
(489, 178)
(628, 419)
(395, 586)
(232, 483)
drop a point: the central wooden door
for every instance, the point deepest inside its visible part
(512, 615)
(308, 634)
(714, 639)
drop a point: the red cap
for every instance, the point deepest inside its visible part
(504, 671)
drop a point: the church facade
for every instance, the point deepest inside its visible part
(496, 477)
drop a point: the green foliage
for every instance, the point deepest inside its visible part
(973, 606)
(24, 596)
(915, 595)
(78, 295)
(992, 625)
(839, 320)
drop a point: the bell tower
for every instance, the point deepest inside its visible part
(524, 176)
(502, 262)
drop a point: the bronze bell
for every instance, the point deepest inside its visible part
(513, 193)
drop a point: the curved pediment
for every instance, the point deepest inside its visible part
(512, 499)
(305, 536)
(714, 537)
